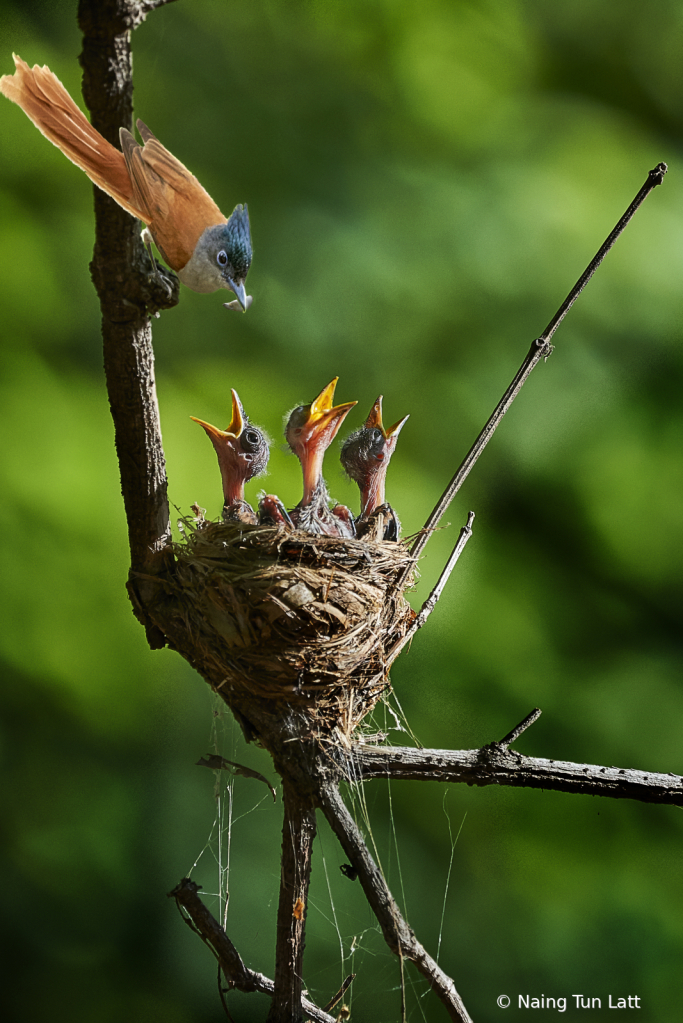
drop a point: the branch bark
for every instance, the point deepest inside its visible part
(121, 274)
(298, 832)
(496, 765)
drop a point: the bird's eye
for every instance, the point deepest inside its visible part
(222, 258)
(250, 440)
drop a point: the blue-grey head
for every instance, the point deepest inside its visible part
(222, 258)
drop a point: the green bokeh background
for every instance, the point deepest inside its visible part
(426, 179)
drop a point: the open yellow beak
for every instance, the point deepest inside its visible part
(375, 420)
(317, 427)
(322, 413)
(236, 423)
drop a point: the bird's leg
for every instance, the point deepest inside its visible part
(156, 267)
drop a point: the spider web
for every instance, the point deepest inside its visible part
(343, 936)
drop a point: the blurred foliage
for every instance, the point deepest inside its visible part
(425, 182)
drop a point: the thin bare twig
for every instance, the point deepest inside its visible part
(430, 603)
(540, 349)
(221, 990)
(397, 934)
(340, 993)
(521, 727)
(237, 975)
(496, 765)
(217, 763)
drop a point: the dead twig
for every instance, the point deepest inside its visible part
(236, 974)
(521, 727)
(495, 764)
(340, 993)
(540, 349)
(397, 934)
(217, 763)
(430, 603)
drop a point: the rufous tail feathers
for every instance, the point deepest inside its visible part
(44, 99)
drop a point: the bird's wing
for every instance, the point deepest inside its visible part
(147, 186)
(145, 134)
(180, 209)
(44, 99)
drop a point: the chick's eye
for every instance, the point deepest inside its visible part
(222, 258)
(250, 440)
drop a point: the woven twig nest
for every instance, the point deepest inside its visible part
(292, 617)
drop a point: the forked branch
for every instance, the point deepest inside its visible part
(126, 294)
(236, 974)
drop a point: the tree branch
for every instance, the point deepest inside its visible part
(298, 832)
(430, 603)
(121, 274)
(496, 765)
(540, 349)
(237, 975)
(397, 934)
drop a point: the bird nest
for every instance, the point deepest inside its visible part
(292, 617)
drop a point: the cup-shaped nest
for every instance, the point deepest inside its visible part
(291, 617)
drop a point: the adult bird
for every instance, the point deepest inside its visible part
(365, 456)
(243, 453)
(309, 432)
(207, 250)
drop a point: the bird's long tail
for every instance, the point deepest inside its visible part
(44, 99)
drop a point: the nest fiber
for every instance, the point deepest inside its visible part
(292, 617)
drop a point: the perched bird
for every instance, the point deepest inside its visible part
(309, 432)
(272, 512)
(365, 456)
(243, 453)
(207, 250)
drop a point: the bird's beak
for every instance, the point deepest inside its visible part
(212, 431)
(323, 416)
(229, 457)
(394, 430)
(218, 437)
(322, 423)
(241, 293)
(237, 421)
(375, 420)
